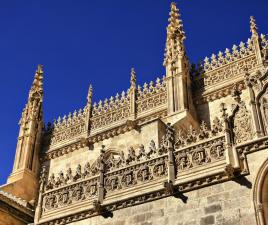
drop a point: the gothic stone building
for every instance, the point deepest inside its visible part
(189, 148)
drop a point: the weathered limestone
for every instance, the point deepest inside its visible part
(190, 148)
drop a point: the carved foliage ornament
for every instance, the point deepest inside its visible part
(242, 123)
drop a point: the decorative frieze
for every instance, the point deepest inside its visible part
(201, 154)
(70, 194)
(136, 174)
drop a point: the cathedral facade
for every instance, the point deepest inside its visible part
(189, 148)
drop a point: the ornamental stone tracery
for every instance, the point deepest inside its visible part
(189, 130)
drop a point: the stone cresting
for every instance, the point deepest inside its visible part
(140, 169)
(110, 111)
(67, 127)
(224, 66)
(151, 96)
(114, 113)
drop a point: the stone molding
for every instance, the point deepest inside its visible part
(18, 207)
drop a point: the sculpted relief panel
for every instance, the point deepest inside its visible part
(242, 125)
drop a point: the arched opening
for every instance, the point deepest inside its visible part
(261, 195)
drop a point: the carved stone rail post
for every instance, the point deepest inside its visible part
(231, 154)
(132, 93)
(169, 144)
(38, 209)
(89, 109)
(101, 183)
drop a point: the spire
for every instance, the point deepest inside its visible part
(26, 163)
(175, 36)
(133, 78)
(253, 27)
(89, 95)
(37, 86)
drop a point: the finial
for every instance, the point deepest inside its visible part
(39, 69)
(175, 35)
(133, 78)
(175, 27)
(37, 86)
(253, 26)
(89, 95)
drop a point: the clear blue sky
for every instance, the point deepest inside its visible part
(97, 42)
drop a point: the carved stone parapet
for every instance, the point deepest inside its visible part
(140, 199)
(70, 194)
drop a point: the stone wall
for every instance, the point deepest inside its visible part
(228, 203)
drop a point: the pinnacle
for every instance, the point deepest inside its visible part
(175, 26)
(89, 95)
(175, 36)
(37, 86)
(133, 78)
(253, 26)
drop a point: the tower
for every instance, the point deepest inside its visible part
(180, 105)
(23, 180)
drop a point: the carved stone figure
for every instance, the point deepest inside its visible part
(131, 156)
(152, 149)
(51, 182)
(78, 173)
(69, 175)
(142, 154)
(60, 179)
(87, 170)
